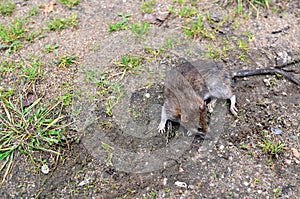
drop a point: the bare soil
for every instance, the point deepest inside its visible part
(139, 162)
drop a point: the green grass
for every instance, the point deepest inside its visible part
(67, 98)
(7, 8)
(66, 61)
(147, 7)
(181, 2)
(33, 11)
(129, 63)
(271, 147)
(13, 34)
(59, 24)
(196, 29)
(187, 12)
(27, 130)
(140, 29)
(254, 4)
(50, 49)
(69, 3)
(32, 70)
(7, 67)
(104, 84)
(123, 25)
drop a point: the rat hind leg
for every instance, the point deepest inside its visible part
(163, 120)
(233, 109)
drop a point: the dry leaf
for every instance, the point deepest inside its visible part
(49, 7)
(295, 152)
(30, 98)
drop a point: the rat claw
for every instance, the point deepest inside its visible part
(209, 108)
(161, 130)
(211, 104)
(233, 110)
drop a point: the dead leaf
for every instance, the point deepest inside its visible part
(30, 98)
(49, 7)
(295, 152)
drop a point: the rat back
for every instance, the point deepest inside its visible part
(213, 81)
(182, 100)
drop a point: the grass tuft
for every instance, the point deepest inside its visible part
(123, 25)
(7, 8)
(69, 3)
(59, 24)
(27, 129)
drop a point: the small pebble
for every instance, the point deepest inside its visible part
(147, 95)
(191, 186)
(259, 191)
(276, 131)
(45, 169)
(294, 137)
(246, 184)
(221, 147)
(288, 161)
(181, 184)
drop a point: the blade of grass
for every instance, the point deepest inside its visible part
(8, 167)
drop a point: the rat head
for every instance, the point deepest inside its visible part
(196, 120)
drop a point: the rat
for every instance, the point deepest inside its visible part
(190, 85)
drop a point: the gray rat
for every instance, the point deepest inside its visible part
(189, 85)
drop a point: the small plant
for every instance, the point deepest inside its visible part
(32, 70)
(181, 2)
(148, 7)
(217, 53)
(271, 147)
(123, 25)
(7, 67)
(106, 124)
(59, 24)
(66, 99)
(66, 61)
(50, 49)
(187, 12)
(276, 192)
(12, 34)
(7, 8)
(28, 129)
(154, 52)
(140, 28)
(109, 107)
(196, 28)
(250, 36)
(153, 195)
(129, 63)
(109, 150)
(254, 4)
(169, 44)
(69, 3)
(103, 83)
(243, 45)
(33, 12)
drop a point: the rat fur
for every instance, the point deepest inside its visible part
(189, 85)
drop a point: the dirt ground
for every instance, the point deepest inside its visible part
(117, 152)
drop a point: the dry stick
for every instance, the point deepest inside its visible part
(265, 71)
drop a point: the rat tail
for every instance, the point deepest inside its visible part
(266, 71)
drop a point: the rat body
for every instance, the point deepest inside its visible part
(189, 85)
(186, 89)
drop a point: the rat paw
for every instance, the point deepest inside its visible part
(161, 129)
(233, 110)
(210, 108)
